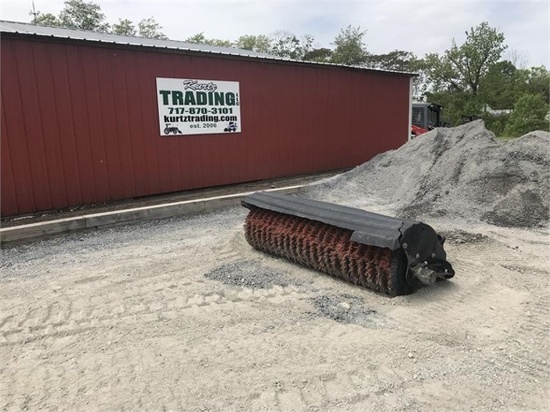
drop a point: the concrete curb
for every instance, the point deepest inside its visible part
(39, 230)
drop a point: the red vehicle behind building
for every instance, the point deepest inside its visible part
(425, 117)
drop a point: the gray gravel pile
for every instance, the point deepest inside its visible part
(453, 172)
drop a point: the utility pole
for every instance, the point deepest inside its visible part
(33, 12)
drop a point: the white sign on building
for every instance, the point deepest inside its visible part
(193, 106)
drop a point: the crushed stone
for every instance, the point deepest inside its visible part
(345, 308)
(461, 172)
(250, 274)
(460, 236)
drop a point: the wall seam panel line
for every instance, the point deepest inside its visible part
(76, 154)
(104, 134)
(33, 195)
(12, 180)
(42, 134)
(56, 111)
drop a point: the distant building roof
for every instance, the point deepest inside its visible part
(108, 38)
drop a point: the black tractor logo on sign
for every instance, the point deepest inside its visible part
(231, 127)
(171, 129)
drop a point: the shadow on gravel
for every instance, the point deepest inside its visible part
(250, 274)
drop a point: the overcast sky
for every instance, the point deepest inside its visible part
(418, 26)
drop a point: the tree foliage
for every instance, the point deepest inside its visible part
(529, 114)
(457, 106)
(200, 38)
(124, 27)
(321, 55)
(197, 38)
(537, 81)
(285, 44)
(461, 68)
(499, 87)
(45, 19)
(150, 28)
(82, 15)
(288, 45)
(260, 43)
(78, 14)
(472, 80)
(349, 47)
(397, 60)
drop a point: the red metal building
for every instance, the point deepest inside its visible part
(80, 121)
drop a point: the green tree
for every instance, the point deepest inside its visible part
(44, 19)
(397, 60)
(421, 82)
(496, 122)
(200, 38)
(260, 43)
(462, 68)
(306, 46)
(501, 86)
(530, 113)
(350, 48)
(322, 55)
(468, 77)
(78, 14)
(285, 44)
(221, 43)
(537, 81)
(457, 106)
(124, 27)
(150, 28)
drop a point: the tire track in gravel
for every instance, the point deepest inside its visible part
(61, 321)
(462, 299)
(490, 309)
(353, 388)
(171, 268)
(534, 330)
(99, 379)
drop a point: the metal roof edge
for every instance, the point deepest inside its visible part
(167, 44)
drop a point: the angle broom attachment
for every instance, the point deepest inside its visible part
(382, 253)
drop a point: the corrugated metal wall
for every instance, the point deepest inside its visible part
(80, 122)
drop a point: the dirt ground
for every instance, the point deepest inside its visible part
(181, 314)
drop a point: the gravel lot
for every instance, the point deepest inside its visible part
(182, 314)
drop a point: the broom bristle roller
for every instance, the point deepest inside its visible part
(328, 249)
